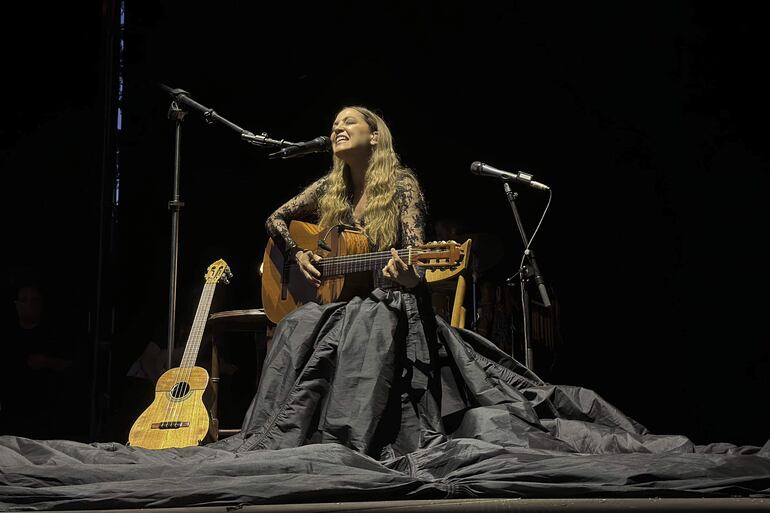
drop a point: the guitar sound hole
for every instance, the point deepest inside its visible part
(180, 390)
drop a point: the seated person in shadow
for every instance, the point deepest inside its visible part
(44, 391)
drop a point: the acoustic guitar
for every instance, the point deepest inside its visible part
(177, 416)
(345, 268)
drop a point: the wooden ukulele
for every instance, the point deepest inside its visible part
(346, 266)
(177, 417)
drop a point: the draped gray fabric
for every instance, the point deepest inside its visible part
(376, 399)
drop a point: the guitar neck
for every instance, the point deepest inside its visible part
(199, 324)
(335, 266)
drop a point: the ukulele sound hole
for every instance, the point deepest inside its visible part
(180, 390)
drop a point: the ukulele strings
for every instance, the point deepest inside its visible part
(191, 351)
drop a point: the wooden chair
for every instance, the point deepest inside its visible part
(448, 289)
(252, 321)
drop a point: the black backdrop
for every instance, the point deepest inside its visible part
(647, 121)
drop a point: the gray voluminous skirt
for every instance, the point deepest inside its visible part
(384, 376)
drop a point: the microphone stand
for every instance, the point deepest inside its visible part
(528, 270)
(474, 282)
(176, 112)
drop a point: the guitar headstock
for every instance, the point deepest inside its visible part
(439, 255)
(218, 271)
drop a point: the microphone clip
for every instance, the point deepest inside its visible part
(277, 154)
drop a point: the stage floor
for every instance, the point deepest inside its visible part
(678, 505)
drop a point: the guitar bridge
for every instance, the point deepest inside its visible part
(170, 425)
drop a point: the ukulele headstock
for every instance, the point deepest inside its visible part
(218, 271)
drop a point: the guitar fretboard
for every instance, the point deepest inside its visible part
(334, 266)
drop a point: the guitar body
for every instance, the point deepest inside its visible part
(285, 289)
(177, 417)
(346, 267)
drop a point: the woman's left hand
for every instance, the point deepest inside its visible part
(398, 271)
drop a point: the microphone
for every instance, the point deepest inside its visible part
(318, 145)
(481, 169)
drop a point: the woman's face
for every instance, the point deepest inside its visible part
(351, 134)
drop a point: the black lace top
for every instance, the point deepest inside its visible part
(304, 207)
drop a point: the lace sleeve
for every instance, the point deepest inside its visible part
(413, 212)
(303, 206)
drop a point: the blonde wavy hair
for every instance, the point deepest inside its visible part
(384, 172)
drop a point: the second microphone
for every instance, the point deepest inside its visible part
(479, 168)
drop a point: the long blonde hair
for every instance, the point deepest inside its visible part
(382, 176)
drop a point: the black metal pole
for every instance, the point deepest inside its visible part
(475, 317)
(525, 314)
(104, 304)
(175, 206)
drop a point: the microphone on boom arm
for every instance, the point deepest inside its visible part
(320, 144)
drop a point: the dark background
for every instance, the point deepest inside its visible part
(648, 121)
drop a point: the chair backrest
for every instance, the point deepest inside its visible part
(448, 287)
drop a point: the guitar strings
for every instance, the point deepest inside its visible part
(356, 262)
(335, 268)
(376, 256)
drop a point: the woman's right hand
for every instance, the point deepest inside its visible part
(305, 261)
